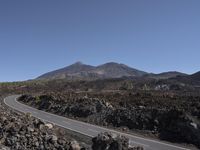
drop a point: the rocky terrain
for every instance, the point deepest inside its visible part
(20, 132)
(108, 141)
(170, 117)
(165, 108)
(23, 132)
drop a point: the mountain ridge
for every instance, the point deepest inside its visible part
(84, 71)
(79, 70)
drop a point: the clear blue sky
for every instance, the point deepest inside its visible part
(37, 36)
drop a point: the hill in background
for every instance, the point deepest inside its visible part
(82, 71)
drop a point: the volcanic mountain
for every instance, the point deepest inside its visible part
(82, 71)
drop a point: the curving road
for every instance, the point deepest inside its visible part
(85, 128)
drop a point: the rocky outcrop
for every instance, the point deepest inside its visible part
(109, 141)
(4, 147)
(23, 132)
(177, 126)
(82, 107)
(28, 133)
(172, 125)
(134, 118)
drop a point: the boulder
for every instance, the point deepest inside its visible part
(109, 141)
(49, 125)
(74, 145)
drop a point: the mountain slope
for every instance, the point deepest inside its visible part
(83, 71)
(195, 76)
(166, 75)
(118, 70)
(72, 70)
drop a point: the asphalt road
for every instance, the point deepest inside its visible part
(85, 128)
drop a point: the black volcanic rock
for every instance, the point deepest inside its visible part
(82, 71)
(109, 141)
(24, 132)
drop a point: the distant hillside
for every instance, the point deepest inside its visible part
(82, 71)
(193, 79)
(195, 76)
(166, 75)
(118, 70)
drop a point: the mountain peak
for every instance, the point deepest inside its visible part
(78, 63)
(112, 63)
